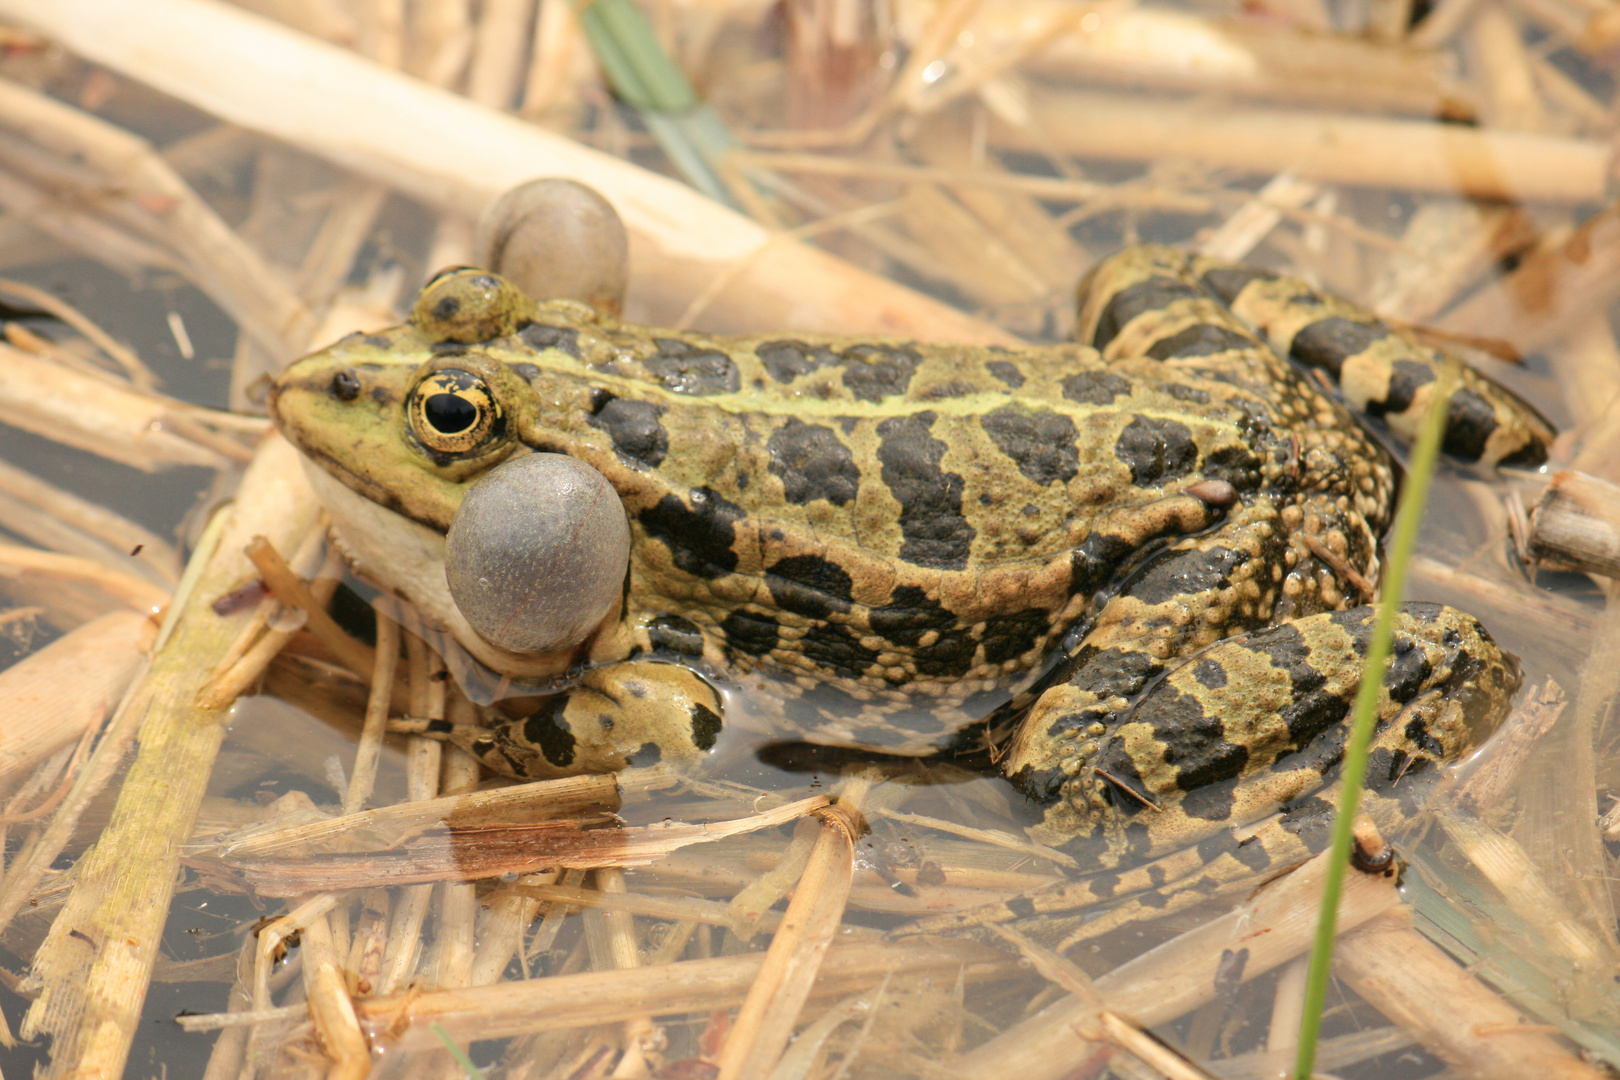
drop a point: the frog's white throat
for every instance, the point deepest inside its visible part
(406, 558)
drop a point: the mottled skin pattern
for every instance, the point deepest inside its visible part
(889, 523)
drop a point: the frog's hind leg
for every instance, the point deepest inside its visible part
(1257, 722)
(1382, 370)
(1446, 688)
(1146, 301)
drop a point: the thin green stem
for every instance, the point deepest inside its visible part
(467, 1066)
(1408, 517)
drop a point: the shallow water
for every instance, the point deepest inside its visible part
(1347, 236)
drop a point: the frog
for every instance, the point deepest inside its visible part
(1139, 561)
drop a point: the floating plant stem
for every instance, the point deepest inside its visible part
(473, 1072)
(1408, 518)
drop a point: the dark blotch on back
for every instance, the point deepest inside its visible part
(835, 646)
(809, 585)
(875, 372)
(1150, 295)
(686, 369)
(1314, 709)
(1183, 574)
(1327, 343)
(638, 437)
(539, 336)
(813, 463)
(787, 360)
(700, 537)
(1199, 339)
(1095, 387)
(1040, 443)
(1156, 450)
(1408, 667)
(1209, 673)
(1007, 637)
(1094, 563)
(671, 633)
(1195, 743)
(1006, 371)
(935, 533)
(1183, 392)
(1110, 673)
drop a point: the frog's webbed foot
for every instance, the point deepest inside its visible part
(1222, 864)
(635, 713)
(1265, 742)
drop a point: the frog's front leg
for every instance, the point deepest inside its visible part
(634, 713)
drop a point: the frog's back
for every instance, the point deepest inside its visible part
(887, 513)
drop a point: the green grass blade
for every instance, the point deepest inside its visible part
(644, 77)
(472, 1071)
(1408, 518)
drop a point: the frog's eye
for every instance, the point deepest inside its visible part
(453, 412)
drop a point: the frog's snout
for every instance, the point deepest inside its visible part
(536, 554)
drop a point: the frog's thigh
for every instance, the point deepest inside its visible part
(638, 712)
(1189, 596)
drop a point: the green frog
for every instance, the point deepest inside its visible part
(1143, 555)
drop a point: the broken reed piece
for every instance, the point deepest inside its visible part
(1576, 524)
(49, 698)
(287, 587)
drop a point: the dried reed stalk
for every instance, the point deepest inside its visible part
(466, 853)
(770, 1012)
(49, 697)
(96, 413)
(139, 190)
(1177, 50)
(1408, 979)
(458, 156)
(1339, 149)
(567, 797)
(605, 997)
(385, 659)
(135, 592)
(330, 1006)
(90, 998)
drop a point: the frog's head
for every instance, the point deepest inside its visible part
(407, 416)
(398, 427)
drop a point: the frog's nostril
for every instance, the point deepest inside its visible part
(345, 385)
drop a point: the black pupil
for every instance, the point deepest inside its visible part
(449, 414)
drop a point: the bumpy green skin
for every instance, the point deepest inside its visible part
(903, 530)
